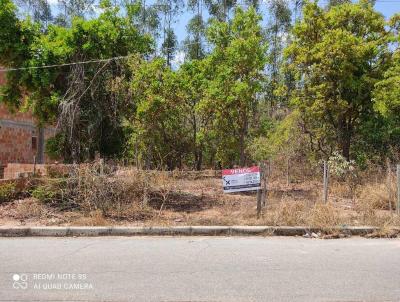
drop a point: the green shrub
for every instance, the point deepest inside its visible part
(7, 192)
(44, 193)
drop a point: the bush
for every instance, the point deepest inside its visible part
(92, 189)
(7, 192)
(46, 194)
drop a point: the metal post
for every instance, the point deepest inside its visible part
(325, 181)
(264, 188)
(288, 171)
(101, 166)
(398, 189)
(258, 203)
(34, 165)
(389, 184)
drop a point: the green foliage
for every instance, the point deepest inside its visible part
(340, 167)
(44, 193)
(236, 66)
(387, 91)
(284, 138)
(159, 132)
(54, 146)
(336, 62)
(8, 192)
(79, 96)
(238, 100)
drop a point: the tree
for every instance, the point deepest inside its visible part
(278, 33)
(193, 85)
(387, 91)
(159, 135)
(79, 97)
(336, 62)
(39, 11)
(75, 8)
(169, 10)
(236, 64)
(194, 41)
(196, 31)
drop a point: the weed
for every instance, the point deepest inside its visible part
(8, 192)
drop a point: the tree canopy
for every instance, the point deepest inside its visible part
(252, 86)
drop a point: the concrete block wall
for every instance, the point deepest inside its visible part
(14, 171)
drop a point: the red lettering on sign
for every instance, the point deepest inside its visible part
(241, 170)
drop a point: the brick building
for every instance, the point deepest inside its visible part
(21, 141)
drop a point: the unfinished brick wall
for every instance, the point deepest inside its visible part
(21, 141)
(18, 137)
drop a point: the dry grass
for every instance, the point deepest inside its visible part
(323, 216)
(286, 213)
(94, 218)
(376, 196)
(127, 196)
(28, 209)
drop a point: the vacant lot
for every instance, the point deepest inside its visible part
(93, 195)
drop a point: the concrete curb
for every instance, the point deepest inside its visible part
(177, 231)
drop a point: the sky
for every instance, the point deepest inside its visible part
(386, 7)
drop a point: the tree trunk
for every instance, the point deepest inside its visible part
(241, 147)
(345, 145)
(345, 132)
(199, 160)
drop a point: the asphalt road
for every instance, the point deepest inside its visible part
(199, 269)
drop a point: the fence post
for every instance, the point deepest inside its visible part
(259, 192)
(34, 165)
(398, 188)
(264, 189)
(389, 183)
(258, 203)
(326, 181)
(101, 166)
(288, 171)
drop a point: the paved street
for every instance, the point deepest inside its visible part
(199, 269)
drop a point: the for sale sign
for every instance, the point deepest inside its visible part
(241, 179)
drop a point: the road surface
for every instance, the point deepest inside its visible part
(199, 269)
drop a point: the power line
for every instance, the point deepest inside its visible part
(86, 62)
(129, 55)
(64, 64)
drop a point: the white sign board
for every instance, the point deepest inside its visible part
(241, 179)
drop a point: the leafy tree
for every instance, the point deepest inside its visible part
(196, 31)
(220, 9)
(337, 56)
(237, 64)
(193, 85)
(196, 34)
(387, 92)
(169, 9)
(278, 33)
(75, 8)
(38, 10)
(79, 96)
(159, 133)
(169, 46)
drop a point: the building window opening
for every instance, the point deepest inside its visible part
(34, 143)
